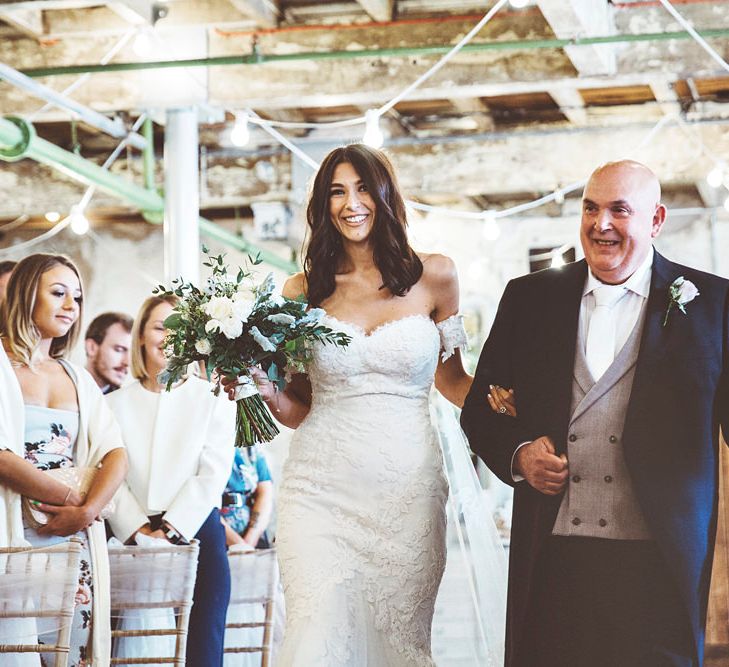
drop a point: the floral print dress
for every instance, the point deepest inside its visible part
(50, 435)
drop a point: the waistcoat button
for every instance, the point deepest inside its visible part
(572, 437)
(613, 439)
(576, 522)
(576, 479)
(608, 479)
(602, 522)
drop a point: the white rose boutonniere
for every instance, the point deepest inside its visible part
(680, 293)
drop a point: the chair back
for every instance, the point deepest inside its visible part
(38, 583)
(249, 625)
(154, 580)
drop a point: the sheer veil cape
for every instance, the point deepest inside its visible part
(478, 539)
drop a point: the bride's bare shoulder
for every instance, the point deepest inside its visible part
(438, 270)
(295, 286)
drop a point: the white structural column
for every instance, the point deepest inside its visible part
(182, 195)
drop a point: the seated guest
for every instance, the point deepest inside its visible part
(180, 453)
(108, 339)
(6, 268)
(56, 418)
(248, 499)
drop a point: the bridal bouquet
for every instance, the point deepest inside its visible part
(233, 324)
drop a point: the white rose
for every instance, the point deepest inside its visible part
(242, 307)
(687, 291)
(219, 308)
(213, 326)
(265, 344)
(203, 346)
(232, 327)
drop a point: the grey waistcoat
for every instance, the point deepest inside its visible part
(599, 500)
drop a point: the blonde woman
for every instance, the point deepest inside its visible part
(60, 419)
(180, 455)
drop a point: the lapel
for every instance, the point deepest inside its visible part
(564, 320)
(626, 359)
(652, 340)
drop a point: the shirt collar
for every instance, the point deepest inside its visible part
(639, 282)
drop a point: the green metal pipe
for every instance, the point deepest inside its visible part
(18, 141)
(257, 58)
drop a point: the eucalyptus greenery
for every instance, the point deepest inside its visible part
(233, 324)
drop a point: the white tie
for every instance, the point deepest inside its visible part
(600, 345)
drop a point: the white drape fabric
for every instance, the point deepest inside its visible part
(478, 539)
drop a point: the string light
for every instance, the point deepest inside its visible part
(79, 222)
(240, 135)
(518, 4)
(490, 230)
(726, 204)
(557, 260)
(716, 176)
(143, 44)
(53, 216)
(373, 136)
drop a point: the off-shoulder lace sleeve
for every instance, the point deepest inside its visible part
(452, 336)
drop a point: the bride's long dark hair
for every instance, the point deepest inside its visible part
(400, 267)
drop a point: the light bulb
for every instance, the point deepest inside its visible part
(143, 44)
(53, 216)
(557, 260)
(518, 4)
(558, 197)
(715, 177)
(726, 204)
(79, 222)
(240, 135)
(490, 230)
(373, 136)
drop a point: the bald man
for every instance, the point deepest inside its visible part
(620, 370)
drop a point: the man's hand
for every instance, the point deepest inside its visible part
(539, 464)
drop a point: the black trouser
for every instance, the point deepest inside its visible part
(605, 603)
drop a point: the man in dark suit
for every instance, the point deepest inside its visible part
(620, 371)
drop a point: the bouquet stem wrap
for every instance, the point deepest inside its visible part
(253, 421)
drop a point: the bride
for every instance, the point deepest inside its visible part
(362, 510)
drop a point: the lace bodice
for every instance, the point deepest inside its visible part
(398, 358)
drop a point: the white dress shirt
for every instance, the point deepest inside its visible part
(626, 311)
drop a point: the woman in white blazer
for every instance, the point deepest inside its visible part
(180, 446)
(54, 416)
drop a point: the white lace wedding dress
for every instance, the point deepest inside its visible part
(361, 528)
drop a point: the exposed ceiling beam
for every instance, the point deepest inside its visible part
(29, 20)
(379, 10)
(136, 12)
(265, 12)
(475, 109)
(570, 103)
(666, 96)
(583, 18)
